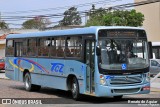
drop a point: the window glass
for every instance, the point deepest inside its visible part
(43, 48)
(10, 43)
(25, 46)
(19, 49)
(32, 49)
(73, 47)
(60, 46)
(1, 60)
(116, 52)
(154, 63)
(10, 48)
(155, 53)
(53, 47)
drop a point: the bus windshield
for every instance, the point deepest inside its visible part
(115, 52)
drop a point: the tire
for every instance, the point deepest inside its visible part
(118, 97)
(75, 89)
(28, 84)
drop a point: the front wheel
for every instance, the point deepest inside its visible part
(28, 84)
(75, 89)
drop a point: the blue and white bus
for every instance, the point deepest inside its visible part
(99, 61)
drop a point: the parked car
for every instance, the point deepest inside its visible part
(154, 66)
(2, 64)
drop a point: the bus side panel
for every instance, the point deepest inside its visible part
(29, 64)
(36, 78)
(54, 82)
(52, 73)
(10, 68)
(33, 67)
(78, 69)
(20, 78)
(9, 74)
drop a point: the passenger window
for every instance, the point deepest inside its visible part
(10, 48)
(43, 46)
(60, 46)
(53, 47)
(19, 49)
(32, 49)
(73, 47)
(24, 49)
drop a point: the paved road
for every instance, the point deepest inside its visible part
(14, 89)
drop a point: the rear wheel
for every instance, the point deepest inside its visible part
(28, 84)
(75, 89)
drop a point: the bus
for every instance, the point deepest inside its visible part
(99, 61)
(156, 50)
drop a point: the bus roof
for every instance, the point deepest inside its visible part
(75, 31)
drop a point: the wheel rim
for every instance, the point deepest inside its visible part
(74, 88)
(27, 82)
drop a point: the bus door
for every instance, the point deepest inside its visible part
(89, 60)
(18, 53)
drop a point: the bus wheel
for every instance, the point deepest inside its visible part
(75, 89)
(28, 84)
(118, 97)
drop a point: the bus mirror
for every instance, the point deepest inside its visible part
(150, 50)
(98, 51)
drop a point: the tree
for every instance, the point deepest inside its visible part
(71, 17)
(96, 17)
(3, 25)
(36, 23)
(117, 18)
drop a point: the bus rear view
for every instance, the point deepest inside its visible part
(122, 62)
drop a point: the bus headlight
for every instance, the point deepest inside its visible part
(102, 80)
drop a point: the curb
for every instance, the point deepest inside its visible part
(155, 89)
(4, 78)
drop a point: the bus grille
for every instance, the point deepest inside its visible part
(126, 80)
(123, 91)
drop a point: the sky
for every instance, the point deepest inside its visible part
(12, 8)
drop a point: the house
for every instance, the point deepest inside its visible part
(151, 24)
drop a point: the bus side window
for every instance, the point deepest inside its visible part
(73, 47)
(68, 52)
(10, 48)
(32, 49)
(60, 52)
(60, 46)
(43, 49)
(24, 49)
(53, 51)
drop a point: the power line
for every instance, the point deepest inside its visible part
(58, 15)
(64, 7)
(136, 4)
(43, 23)
(82, 13)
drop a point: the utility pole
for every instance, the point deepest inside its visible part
(0, 16)
(86, 17)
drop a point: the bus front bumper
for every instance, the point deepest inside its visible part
(103, 91)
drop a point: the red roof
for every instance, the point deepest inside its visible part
(3, 36)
